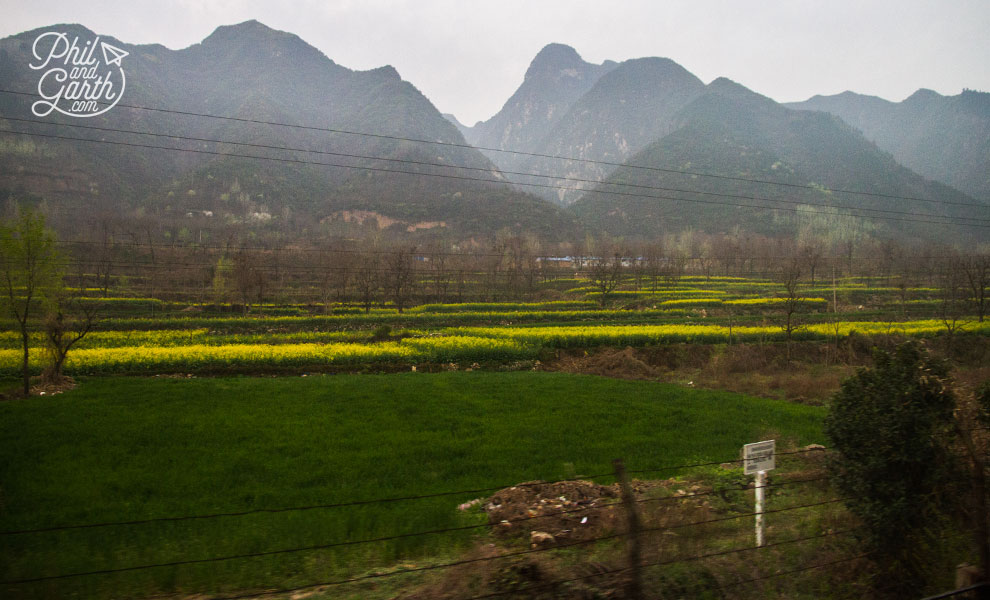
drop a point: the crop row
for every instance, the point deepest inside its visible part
(464, 344)
(647, 335)
(200, 357)
(744, 302)
(410, 319)
(818, 302)
(683, 292)
(493, 307)
(168, 338)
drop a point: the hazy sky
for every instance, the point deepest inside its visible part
(469, 56)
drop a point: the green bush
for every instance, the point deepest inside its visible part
(891, 427)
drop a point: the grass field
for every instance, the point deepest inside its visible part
(134, 448)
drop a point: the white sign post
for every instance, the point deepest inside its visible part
(759, 458)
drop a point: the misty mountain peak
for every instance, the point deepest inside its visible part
(251, 27)
(251, 31)
(255, 41)
(727, 87)
(555, 60)
(923, 96)
(70, 29)
(386, 72)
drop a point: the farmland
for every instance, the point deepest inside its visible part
(119, 449)
(208, 338)
(208, 408)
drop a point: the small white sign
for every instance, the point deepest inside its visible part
(760, 456)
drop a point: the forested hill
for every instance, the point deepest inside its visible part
(261, 77)
(942, 137)
(734, 132)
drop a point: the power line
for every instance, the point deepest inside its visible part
(953, 593)
(533, 154)
(487, 170)
(800, 570)
(403, 536)
(663, 563)
(362, 502)
(167, 263)
(494, 181)
(427, 252)
(336, 544)
(287, 509)
(522, 553)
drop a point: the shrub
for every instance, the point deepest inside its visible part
(891, 426)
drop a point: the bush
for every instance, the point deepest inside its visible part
(891, 426)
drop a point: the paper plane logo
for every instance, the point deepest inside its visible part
(74, 81)
(113, 51)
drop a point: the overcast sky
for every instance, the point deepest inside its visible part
(469, 56)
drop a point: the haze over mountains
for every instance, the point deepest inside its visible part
(257, 74)
(941, 137)
(647, 112)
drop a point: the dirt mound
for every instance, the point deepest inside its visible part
(609, 362)
(551, 513)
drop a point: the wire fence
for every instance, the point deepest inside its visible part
(501, 556)
(507, 552)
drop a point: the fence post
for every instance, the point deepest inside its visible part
(634, 587)
(760, 486)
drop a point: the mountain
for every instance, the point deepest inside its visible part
(278, 91)
(741, 136)
(556, 78)
(941, 137)
(629, 107)
(569, 107)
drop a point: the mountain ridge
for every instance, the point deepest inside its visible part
(946, 138)
(253, 72)
(555, 78)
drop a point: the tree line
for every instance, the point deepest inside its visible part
(247, 269)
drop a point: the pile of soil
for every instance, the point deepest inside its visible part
(608, 362)
(553, 513)
(563, 512)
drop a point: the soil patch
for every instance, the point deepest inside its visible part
(608, 362)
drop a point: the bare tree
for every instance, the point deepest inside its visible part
(367, 278)
(812, 255)
(976, 276)
(399, 274)
(653, 258)
(725, 251)
(493, 263)
(888, 252)
(673, 269)
(438, 255)
(101, 256)
(334, 268)
(68, 322)
(250, 278)
(604, 268)
(789, 275)
(952, 298)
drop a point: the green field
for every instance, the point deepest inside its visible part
(127, 448)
